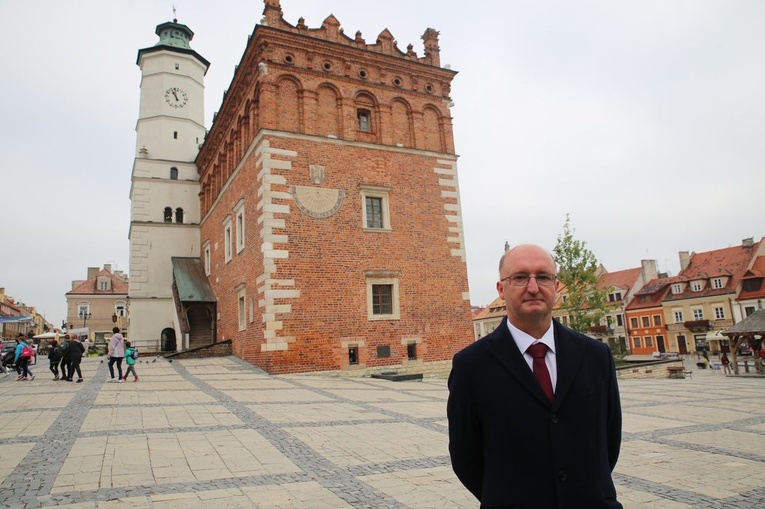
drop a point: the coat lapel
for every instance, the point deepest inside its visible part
(503, 348)
(569, 352)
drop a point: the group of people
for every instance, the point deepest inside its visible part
(65, 358)
(120, 349)
(68, 356)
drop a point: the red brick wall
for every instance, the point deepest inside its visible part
(408, 151)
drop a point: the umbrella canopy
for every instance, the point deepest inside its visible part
(47, 335)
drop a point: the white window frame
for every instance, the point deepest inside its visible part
(120, 308)
(241, 306)
(719, 312)
(678, 314)
(696, 286)
(240, 236)
(375, 192)
(677, 289)
(207, 263)
(717, 283)
(698, 313)
(383, 278)
(227, 234)
(83, 307)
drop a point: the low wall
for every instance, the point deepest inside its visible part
(221, 349)
(657, 369)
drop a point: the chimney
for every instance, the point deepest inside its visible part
(748, 242)
(92, 272)
(649, 270)
(108, 267)
(685, 260)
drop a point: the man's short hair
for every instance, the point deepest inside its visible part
(115, 330)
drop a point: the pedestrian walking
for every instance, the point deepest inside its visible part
(76, 350)
(725, 364)
(54, 357)
(24, 354)
(116, 353)
(65, 357)
(131, 354)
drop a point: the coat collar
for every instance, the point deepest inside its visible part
(569, 353)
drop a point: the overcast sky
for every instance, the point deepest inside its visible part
(644, 120)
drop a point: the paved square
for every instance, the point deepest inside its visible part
(219, 433)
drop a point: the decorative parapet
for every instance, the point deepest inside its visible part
(331, 30)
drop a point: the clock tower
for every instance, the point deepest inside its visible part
(164, 192)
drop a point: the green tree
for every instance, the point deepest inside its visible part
(585, 303)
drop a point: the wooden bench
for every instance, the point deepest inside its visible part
(676, 371)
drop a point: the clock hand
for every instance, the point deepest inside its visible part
(175, 95)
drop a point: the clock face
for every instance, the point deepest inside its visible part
(176, 97)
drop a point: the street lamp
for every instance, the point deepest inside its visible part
(85, 316)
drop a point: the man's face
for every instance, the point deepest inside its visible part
(530, 304)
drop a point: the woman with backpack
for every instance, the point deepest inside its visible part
(24, 353)
(131, 354)
(54, 357)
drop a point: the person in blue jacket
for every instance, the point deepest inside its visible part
(22, 361)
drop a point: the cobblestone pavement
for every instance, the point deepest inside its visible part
(219, 433)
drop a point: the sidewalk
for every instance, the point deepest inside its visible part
(220, 433)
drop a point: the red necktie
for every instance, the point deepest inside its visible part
(538, 352)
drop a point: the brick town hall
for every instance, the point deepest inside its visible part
(317, 224)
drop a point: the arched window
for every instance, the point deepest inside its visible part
(179, 215)
(168, 215)
(173, 173)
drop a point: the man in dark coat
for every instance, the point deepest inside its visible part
(534, 433)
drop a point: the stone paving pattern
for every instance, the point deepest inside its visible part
(219, 433)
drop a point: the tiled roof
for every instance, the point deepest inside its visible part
(90, 286)
(730, 261)
(652, 294)
(751, 278)
(493, 310)
(752, 324)
(624, 279)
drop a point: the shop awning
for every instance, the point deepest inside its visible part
(716, 335)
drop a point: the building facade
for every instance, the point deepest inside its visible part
(330, 222)
(95, 305)
(164, 192)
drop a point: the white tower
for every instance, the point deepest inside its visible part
(164, 192)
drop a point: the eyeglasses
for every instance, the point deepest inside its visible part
(523, 279)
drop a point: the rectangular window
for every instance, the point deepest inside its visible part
(634, 322)
(241, 309)
(719, 312)
(657, 320)
(618, 295)
(382, 295)
(227, 234)
(104, 285)
(696, 285)
(677, 289)
(748, 310)
(717, 283)
(364, 120)
(239, 211)
(565, 321)
(611, 297)
(646, 321)
(120, 310)
(207, 258)
(648, 341)
(353, 355)
(382, 299)
(698, 314)
(383, 352)
(678, 317)
(411, 351)
(636, 342)
(375, 213)
(619, 321)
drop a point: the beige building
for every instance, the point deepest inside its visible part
(95, 305)
(702, 302)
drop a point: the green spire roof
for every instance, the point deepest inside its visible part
(174, 34)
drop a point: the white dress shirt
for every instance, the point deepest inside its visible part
(524, 341)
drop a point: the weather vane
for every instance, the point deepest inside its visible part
(175, 16)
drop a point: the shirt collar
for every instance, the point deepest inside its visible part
(524, 341)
